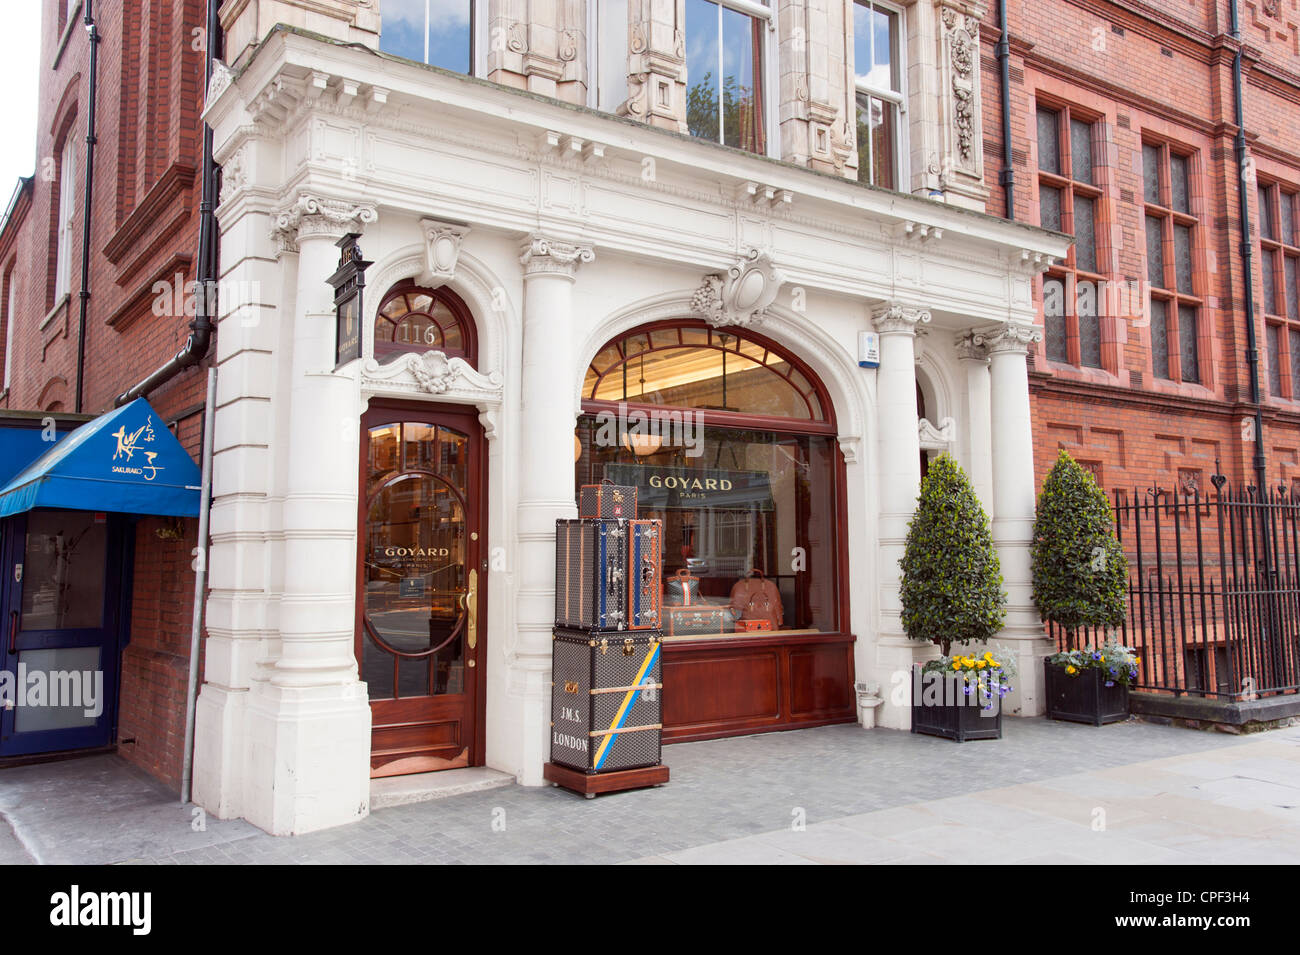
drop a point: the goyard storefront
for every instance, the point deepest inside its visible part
(730, 440)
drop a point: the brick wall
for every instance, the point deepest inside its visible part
(1161, 72)
(144, 230)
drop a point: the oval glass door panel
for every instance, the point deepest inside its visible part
(416, 580)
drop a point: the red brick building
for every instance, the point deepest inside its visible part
(1122, 128)
(143, 234)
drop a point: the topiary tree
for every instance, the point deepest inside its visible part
(952, 579)
(1080, 572)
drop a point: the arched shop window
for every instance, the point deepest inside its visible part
(415, 319)
(730, 440)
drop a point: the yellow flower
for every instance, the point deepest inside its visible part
(994, 663)
(980, 664)
(956, 665)
(1071, 669)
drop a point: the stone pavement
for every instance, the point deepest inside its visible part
(1046, 792)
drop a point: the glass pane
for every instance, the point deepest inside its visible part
(1288, 218)
(1159, 338)
(1188, 345)
(1270, 282)
(1294, 337)
(1049, 147)
(703, 95)
(1085, 239)
(862, 42)
(884, 69)
(384, 460)
(415, 584)
(1266, 214)
(748, 499)
(1080, 150)
(1178, 183)
(63, 571)
(429, 31)
(1056, 329)
(1275, 360)
(1292, 311)
(1183, 257)
(865, 166)
(417, 321)
(1049, 207)
(1089, 325)
(1155, 251)
(742, 88)
(1151, 174)
(883, 133)
(70, 680)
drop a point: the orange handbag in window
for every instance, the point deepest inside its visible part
(755, 597)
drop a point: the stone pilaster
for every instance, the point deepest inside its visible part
(656, 82)
(974, 361)
(961, 165)
(309, 721)
(1013, 503)
(817, 111)
(546, 446)
(899, 473)
(539, 46)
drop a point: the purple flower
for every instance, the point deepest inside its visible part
(1110, 682)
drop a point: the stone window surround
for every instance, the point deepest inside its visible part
(1279, 247)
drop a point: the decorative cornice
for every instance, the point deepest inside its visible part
(1011, 338)
(442, 249)
(431, 373)
(543, 256)
(312, 216)
(895, 318)
(940, 438)
(741, 295)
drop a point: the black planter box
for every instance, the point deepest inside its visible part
(1084, 698)
(959, 720)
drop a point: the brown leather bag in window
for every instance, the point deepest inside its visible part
(755, 597)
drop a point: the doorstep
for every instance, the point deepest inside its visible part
(403, 790)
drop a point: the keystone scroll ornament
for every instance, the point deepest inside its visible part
(741, 295)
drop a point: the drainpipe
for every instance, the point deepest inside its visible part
(200, 583)
(200, 339)
(93, 31)
(1007, 177)
(1247, 254)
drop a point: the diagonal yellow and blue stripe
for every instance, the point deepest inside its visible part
(602, 752)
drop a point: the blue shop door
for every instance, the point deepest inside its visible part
(62, 614)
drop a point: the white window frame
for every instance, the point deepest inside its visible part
(899, 98)
(478, 44)
(770, 75)
(67, 196)
(9, 326)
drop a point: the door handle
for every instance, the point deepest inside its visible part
(471, 608)
(13, 631)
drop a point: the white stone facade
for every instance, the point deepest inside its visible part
(561, 227)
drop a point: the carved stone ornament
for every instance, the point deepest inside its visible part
(517, 38)
(430, 373)
(936, 438)
(222, 77)
(441, 249)
(568, 46)
(968, 349)
(541, 255)
(741, 295)
(963, 56)
(1010, 338)
(315, 216)
(234, 174)
(897, 318)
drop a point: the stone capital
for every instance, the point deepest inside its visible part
(1011, 338)
(543, 256)
(318, 217)
(895, 318)
(968, 349)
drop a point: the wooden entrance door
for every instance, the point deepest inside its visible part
(421, 596)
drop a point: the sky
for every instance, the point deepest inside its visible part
(20, 42)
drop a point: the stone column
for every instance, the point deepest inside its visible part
(309, 724)
(1013, 504)
(975, 361)
(546, 449)
(900, 480)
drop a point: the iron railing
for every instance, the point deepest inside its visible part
(1214, 590)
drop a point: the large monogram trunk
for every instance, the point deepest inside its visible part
(699, 620)
(607, 574)
(605, 700)
(614, 501)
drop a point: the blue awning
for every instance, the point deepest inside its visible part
(125, 461)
